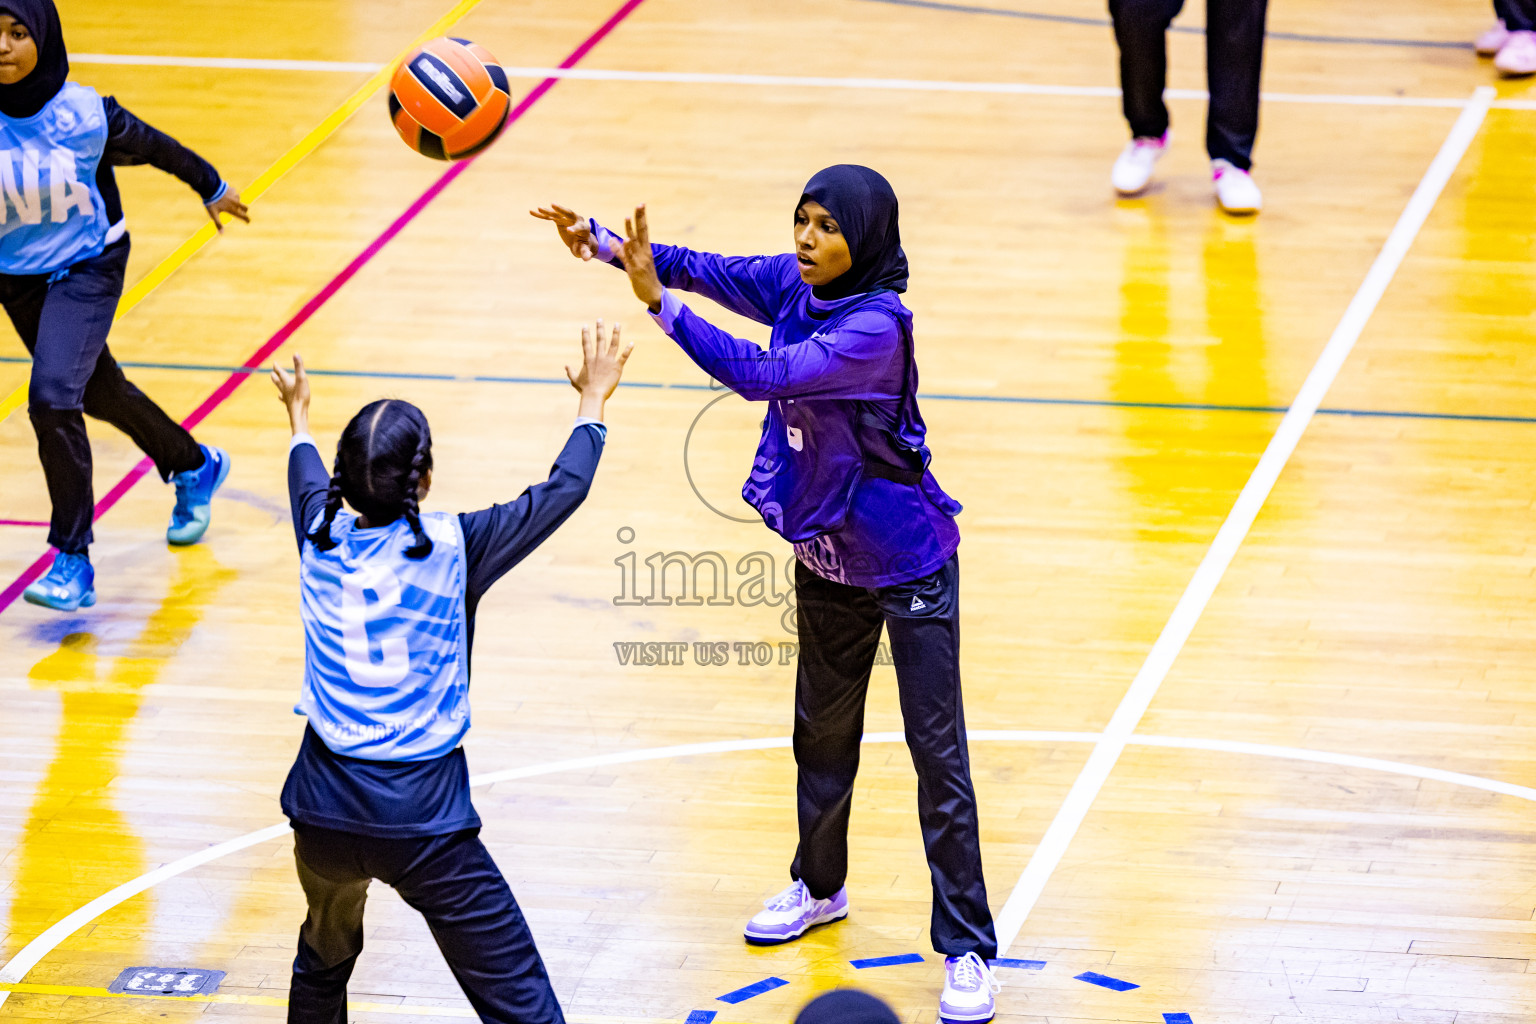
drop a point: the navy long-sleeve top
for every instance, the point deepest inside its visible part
(391, 799)
(130, 141)
(851, 351)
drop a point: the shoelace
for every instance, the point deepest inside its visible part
(185, 482)
(971, 970)
(789, 898)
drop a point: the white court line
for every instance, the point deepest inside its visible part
(1053, 846)
(234, 63)
(16, 969)
(790, 81)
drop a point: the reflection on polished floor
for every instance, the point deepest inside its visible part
(1323, 815)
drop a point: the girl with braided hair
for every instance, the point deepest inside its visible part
(380, 788)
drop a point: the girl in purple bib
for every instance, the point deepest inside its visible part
(842, 473)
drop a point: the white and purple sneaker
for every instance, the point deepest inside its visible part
(792, 913)
(969, 990)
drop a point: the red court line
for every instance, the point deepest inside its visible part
(220, 394)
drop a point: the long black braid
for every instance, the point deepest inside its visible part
(321, 537)
(380, 461)
(419, 464)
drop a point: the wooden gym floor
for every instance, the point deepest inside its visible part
(1322, 815)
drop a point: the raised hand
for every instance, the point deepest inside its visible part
(602, 364)
(575, 230)
(293, 390)
(635, 254)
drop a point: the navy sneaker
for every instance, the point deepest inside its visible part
(194, 496)
(70, 584)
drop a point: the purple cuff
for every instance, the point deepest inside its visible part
(671, 309)
(607, 242)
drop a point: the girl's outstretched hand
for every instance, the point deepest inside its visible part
(293, 389)
(636, 257)
(228, 203)
(602, 364)
(575, 230)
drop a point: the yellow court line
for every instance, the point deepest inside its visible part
(402, 1009)
(265, 180)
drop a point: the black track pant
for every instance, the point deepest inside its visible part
(1518, 15)
(453, 882)
(1234, 53)
(64, 326)
(839, 637)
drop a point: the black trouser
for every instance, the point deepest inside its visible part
(452, 881)
(1234, 52)
(64, 325)
(839, 637)
(1518, 15)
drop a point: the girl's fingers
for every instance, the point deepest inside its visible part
(640, 225)
(624, 356)
(613, 342)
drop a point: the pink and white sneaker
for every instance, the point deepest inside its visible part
(792, 913)
(1517, 57)
(1133, 168)
(1235, 190)
(1493, 40)
(970, 989)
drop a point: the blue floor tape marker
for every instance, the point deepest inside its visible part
(1177, 1018)
(700, 1017)
(1105, 981)
(757, 988)
(888, 961)
(1023, 965)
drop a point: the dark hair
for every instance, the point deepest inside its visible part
(380, 460)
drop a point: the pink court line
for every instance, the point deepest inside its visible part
(21, 522)
(221, 394)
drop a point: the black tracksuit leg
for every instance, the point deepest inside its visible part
(64, 326)
(839, 634)
(1518, 15)
(1234, 41)
(452, 881)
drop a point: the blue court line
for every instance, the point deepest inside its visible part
(1177, 1018)
(1023, 965)
(705, 1016)
(1068, 19)
(1094, 403)
(888, 961)
(757, 988)
(1105, 981)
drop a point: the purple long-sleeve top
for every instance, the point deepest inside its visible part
(841, 470)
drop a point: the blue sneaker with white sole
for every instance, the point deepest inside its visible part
(194, 496)
(69, 585)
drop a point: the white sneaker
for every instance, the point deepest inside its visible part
(969, 988)
(1235, 190)
(1493, 40)
(1133, 169)
(792, 913)
(1517, 57)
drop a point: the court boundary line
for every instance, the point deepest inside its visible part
(936, 396)
(14, 589)
(810, 81)
(15, 970)
(275, 172)
(1223, 547)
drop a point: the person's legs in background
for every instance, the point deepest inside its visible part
(1234, 59)
(1141, 30)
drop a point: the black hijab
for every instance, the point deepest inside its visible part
(32, 93)
(864, 205)
(846, 1006)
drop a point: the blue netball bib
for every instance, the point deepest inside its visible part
(386, 663)
(51, 214)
